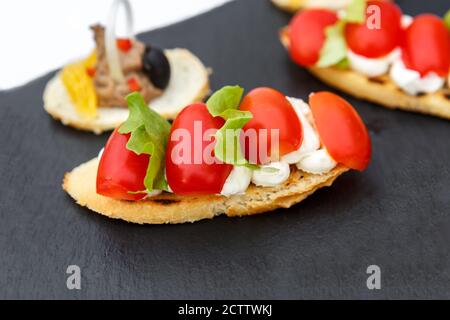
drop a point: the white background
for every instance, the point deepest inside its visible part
(37, 36)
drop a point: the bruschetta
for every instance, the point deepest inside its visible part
(230, 156)
(383, 56)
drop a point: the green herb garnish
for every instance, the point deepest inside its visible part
(149, 135)
(224, 103)
(334, 50)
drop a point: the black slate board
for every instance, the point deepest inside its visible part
(395, 214)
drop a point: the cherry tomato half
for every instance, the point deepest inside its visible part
(374, 41)
(427, 46)
(120, 170)
(271, 110)
(341, 130)
(307, 34)
(188, 171)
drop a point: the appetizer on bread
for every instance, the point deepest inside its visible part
(377, 54)
(89, 94)
(227, 156)
(295, 5)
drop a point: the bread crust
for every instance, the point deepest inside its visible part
(167, 208)
(57, 102)
(381, 90)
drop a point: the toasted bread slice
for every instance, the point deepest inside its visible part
(381, 90)
(169, 208)
(189, 83)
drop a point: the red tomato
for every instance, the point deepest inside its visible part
(195, 176)
(371, 42)
(133, 85)
(307, 34)
(120, 170)
(427, 46)
(341, 130)
(91, 72)
(271, 110)
(124, 44)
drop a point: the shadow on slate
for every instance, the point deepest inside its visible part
(395, 214)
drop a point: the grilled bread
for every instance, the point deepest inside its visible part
(167, 208)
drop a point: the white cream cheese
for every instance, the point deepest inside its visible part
(237, 182)
(411, 82)
(372, 67)
(309, 157)
(311, 141)
(317, 162)
(265, 177)
(407, 20)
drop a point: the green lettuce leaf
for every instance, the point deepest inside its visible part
(227, 98)
(149, 135)
(228, 146)
(334, 50)
(447, 19)
(225, 103)
(356, 11)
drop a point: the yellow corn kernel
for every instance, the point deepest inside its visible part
(80, 86)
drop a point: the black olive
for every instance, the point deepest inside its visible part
(156, 67)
